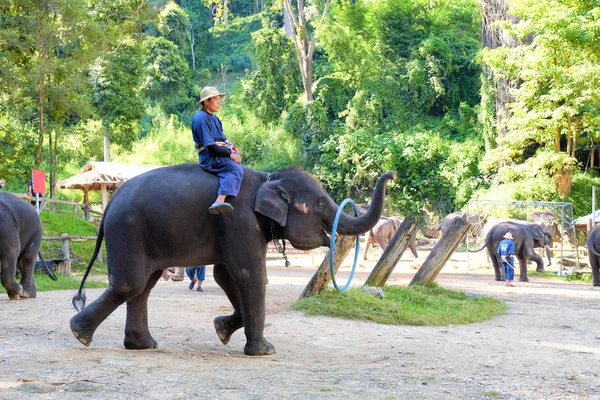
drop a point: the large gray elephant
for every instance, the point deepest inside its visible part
(527, 236)
(383, 232)
(593, 243)
(149, 227)
(20, 240)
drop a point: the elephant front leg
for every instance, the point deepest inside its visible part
(137, 333)
(8, 268)
(249, 298)
(254, 314)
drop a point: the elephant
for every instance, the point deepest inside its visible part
(527, 236)
(20, 240)
(147, 228)
(383, 232)
(593, 243)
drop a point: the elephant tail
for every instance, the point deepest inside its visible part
(48, 270)
(593, 250)
(80, 299)
(475, 251)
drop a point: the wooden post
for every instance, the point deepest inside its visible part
(86, 196)
(64, 266)
(442, 251)
(321, 278)
(393, 252)
(86, 213)
(104, 197)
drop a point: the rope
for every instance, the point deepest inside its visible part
(280, 247)
(332, 246)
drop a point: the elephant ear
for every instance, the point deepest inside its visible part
(537, 233)
(272, 201)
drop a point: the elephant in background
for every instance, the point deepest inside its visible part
(383, 232)
(20, 240)
(593, 244)
(527, 236)
(476, 221)
(148, 228)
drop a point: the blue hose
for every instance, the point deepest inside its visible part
(332, 246)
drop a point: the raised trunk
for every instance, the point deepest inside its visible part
(348, 225)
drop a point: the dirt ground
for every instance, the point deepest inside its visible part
(546, 347)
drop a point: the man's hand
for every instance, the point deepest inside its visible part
(236, 157)
(503, 258)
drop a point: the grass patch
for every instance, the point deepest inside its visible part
(423, 305)
(43, 283)
(576, 277)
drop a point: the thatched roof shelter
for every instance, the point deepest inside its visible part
(104, 176)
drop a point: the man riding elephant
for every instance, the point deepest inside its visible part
(148, 228)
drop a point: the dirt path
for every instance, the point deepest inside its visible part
(546, 347)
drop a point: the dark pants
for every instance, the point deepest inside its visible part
(230, 175)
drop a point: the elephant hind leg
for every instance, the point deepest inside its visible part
(227, 325)
(85, 323)
(26, 266)
(8, 268)
(137, 333)
(497, 270)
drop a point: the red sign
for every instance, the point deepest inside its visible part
(39, 181)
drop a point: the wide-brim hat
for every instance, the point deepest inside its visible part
(207, 92)
(508, 236)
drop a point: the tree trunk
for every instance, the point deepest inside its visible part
(192, 43)
(494, 36)
(442, 252)
(106, 147)
(563, 183)
(393, 252)
(297, 30)
(322, 277)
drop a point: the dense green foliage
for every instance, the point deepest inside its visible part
(421, 305)
(398, 85)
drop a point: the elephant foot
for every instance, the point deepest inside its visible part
(523, 279)
(83, 334)
(131, 343)
(540, 270)
(225, 326)
(28, 295)
(263, 348)
(499, 278)
(596, 283)
(14, 291)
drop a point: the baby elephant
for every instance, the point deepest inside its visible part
(20, 240)
(383, 232)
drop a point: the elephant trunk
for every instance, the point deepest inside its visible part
(348, 225)
(548, 254)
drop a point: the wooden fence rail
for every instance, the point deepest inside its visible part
(87, 210)
(63, 262)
